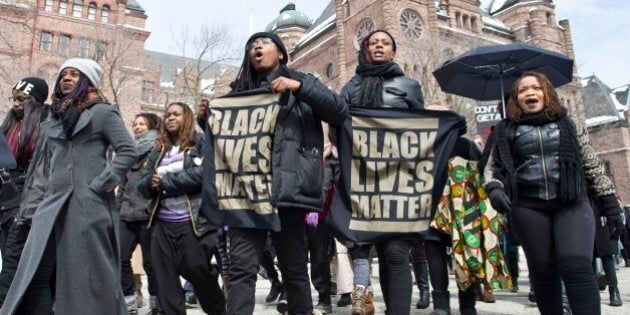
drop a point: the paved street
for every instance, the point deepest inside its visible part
(507, 303)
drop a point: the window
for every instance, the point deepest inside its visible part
(77, 8)
(84, 48)
(63, 7)
(48, 6)
(101, 51)
(147, 91)
(64, 45)
(92, 12)
(330, 70)
(365, 27)
(45, 42)
(411, 23)
(105, 14)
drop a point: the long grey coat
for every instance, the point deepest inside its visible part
(78, 211)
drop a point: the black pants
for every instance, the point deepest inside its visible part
(132, 234)
(395, 274)
(6, 218)
(559, 244)
(39, 296)
(266, 261)
(175, 252)
(16, 239)
(319, 242)
(438, 265)
(608, 263)
(246, 250)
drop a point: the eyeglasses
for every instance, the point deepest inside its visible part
(262, 41)
(18, 99)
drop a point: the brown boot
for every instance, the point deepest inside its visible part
(359, 296)
(368, 305)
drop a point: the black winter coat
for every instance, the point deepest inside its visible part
(298, 145)
(398, 92)
(186, 182)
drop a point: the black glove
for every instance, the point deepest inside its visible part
(499, 200)
(615, 221)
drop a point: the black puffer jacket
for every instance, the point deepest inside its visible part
(398, 92)
(298, 145)
(186, 182)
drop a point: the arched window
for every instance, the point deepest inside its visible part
(48, 5)
(330, 70)
(77, 8)
(363, 28)
(465, 21)
(550, 21)
(92, 11)
(105, 14)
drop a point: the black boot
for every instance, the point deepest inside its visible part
(274, 292)
(615, 298)
(344, 300)
(467, 300)
(324, 304)
(421, 272)
(441, 303)
(625, 253)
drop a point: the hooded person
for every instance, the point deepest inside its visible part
(308, 103)
(21, 129)
(71, 255)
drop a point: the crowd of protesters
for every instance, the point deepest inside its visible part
(72, 213)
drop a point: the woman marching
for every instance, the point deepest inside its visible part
(379, 82)
(133, 213)
(541, 168)
(181, 241)
(71, 254)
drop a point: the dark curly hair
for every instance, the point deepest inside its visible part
(550, 98)
(186, 134)
(152, 120)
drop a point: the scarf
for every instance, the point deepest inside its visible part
(69, 112)
(373, 77)
(145, 142)
(572, 177)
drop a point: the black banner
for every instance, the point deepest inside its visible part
(389, 161)
(237, 163)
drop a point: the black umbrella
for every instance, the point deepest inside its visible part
(484, 72)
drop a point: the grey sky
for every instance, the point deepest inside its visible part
(599, 27)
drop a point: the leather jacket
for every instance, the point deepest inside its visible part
(536, 155)
(398, 92)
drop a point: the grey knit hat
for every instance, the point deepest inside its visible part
(88, 67)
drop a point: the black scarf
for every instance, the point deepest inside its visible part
(69, 112)
(572, 178)
(373, 77)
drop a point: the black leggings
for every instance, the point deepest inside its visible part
(559, 244)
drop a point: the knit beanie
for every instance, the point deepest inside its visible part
(88, 67)
(275, 39)
(34, 87)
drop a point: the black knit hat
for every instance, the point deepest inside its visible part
(275, 39)
(35, 87)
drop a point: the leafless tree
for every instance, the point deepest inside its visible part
(206, 49)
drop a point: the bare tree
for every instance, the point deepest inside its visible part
(205, 49)
(17, 30)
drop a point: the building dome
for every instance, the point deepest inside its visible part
(289, 17)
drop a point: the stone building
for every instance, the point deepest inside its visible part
(37, 36)
(428, 32)
(606, 112)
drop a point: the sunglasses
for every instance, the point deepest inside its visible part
(18, 99)
(262, 41)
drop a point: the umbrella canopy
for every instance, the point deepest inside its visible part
(484, 73)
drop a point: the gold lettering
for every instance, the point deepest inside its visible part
(425, 178)
(390, 146)
(427, 140)
(269, 125)
(240, 124)
(409, 145)
(215, 121)
(256, 122)
(374, 153)
(359, 143)
(425, 205)
(387, 174)
(404, 178)
(264, 147)
(355, 176)
(249, 153)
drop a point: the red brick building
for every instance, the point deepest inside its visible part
(37, 36)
